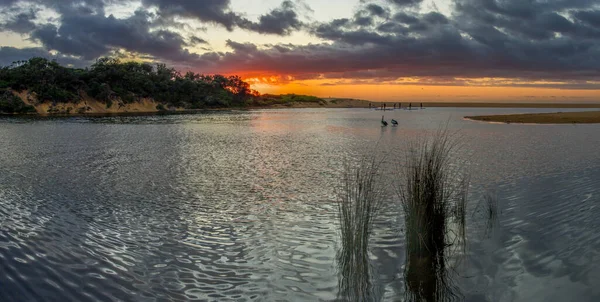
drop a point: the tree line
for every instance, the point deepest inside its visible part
(110, 80)
(116, 83)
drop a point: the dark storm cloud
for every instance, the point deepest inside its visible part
(7, 2)
(591, 17)
(405, 3)
(376, 10)
(383, 40)
(194, 40)
(84, 31)
(91, 36)
(214, 11)
(527, 40)
(8, 55)
(20, 23)
(65, 6)
(246, 48)
(281, 21)
(520, 21)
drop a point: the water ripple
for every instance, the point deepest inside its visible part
(240, 206)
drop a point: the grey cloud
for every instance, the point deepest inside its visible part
(245, 48)
(530, 40)
(214, 11)
(528, 19)
(7, 2)
(194, 40)
(21, 23)
(405, 3)
(405, 18)
(91, 36)
(376, 10)
(363, 21)
(280, 21)
(481, 39)
(8, 55)
(70, 7)
(591, 17)
(435, 18)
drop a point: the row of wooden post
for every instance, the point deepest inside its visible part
(399, 105)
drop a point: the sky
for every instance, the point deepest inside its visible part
(381, 50)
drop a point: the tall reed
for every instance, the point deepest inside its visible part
(433, 193)
(359, 200)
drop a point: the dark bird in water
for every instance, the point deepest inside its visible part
(394, 122)
(383, 122)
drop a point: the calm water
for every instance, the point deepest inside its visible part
(239, 206)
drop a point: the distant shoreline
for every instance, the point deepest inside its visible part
(586, 117)
(149, 107)
(492, 105)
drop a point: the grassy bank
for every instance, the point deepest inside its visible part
(587, 117)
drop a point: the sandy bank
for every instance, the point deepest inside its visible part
(87, 105)
(587, 117)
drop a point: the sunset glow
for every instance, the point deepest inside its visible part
(415, 93)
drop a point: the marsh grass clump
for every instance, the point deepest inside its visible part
(359, 200)
(433, 194)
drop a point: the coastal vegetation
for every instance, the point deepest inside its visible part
(112, 81)
(10, 103)
(115, 83)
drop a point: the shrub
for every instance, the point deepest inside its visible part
(10, 103)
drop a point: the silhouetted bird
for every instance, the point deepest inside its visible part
(394, 122)
(383, 122)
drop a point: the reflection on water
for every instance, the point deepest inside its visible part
(240, 206)
(355, 282)
(428, 278)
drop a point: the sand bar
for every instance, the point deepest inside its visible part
(586, 117)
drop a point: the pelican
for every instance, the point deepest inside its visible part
(394, 122)
(383, 122)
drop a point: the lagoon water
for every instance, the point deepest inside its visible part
(240, 206)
